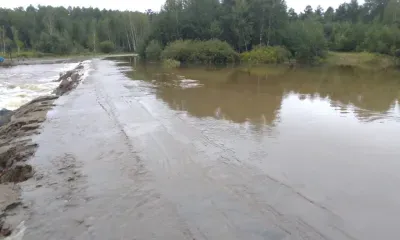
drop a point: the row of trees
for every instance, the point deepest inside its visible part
(372, 26)
(65, 30)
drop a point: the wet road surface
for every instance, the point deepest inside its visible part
(118, 160)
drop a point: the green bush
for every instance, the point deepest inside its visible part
(306, 41)
(381, 39)
(106, 47)
(262, 54)
(211, 51)
(179, 50)
(153, 50)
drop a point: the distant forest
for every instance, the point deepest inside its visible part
(373, 26)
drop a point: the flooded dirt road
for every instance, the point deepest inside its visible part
(218, 154)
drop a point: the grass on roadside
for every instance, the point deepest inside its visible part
(35, 54)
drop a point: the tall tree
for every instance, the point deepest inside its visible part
(241, 23)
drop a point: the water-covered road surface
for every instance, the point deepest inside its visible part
(123, 159)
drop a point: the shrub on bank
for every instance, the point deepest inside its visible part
(266, 55)
(179, 50)
(106, 47)
(153, 50)
(211, 51)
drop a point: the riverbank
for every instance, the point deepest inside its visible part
(59, 59)
(364, 60)
(356, 60)
(16, 146)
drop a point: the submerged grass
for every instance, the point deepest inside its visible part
(364, 60)
(170, 63)
(266, 70)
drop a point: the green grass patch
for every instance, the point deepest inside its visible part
(40, 55)
(365, 60)
(30, 54)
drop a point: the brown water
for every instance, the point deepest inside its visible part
(248, 96)
(333, 135)
(195, 153)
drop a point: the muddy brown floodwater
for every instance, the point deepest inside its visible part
(138, 152)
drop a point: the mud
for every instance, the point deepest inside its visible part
(69, 80)
(5, 116)
(16, 146)
(15, 143)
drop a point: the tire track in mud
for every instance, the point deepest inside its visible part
(239, 195)
(116, 200)
(111, 112)
(105, 102)
(281, 218)
(187, 232)
(291, 225)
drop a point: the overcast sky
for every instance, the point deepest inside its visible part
(142, 5)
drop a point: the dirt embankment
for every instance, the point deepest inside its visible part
(16, 145)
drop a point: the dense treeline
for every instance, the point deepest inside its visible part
(244, 24)
(71, 30)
